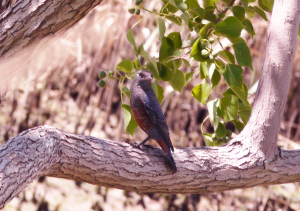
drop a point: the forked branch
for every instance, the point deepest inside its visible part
(249, 160)
(46, 151)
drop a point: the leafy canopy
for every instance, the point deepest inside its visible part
(207, 24)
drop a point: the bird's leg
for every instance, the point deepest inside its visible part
(143, 142)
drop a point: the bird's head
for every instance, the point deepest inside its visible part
(144, 77)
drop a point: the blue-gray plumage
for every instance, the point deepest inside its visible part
(148, 113)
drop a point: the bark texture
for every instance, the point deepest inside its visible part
(249, 160)
(29, 21)
(263, 126)
(46, 151)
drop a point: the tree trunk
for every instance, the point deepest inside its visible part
(250, 159)
(29, 21)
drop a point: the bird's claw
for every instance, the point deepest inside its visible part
(135, 145)
(147, 145)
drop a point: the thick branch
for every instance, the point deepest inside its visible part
(239, 164)
(50, 152)
(30, 20)
(264, 124)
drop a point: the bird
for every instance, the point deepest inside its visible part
(148, 114)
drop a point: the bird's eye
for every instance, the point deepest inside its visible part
(141, 75)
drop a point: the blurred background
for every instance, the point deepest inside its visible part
(59, 88)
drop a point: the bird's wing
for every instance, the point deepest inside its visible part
(156, 116)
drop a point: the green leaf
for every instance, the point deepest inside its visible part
(166, 49)
(245, 87)
(250, 13)
(178, 81)
(214, 75)
(159, 91)
(186, 62)
(175, 19)
(154, 87)
(196, 52)
(130, 38)
(182, 6)
(221, 130)
(151, 68)
(192, 3)
(208, 3)
(126, 66)
(233, 75)
(137, 64)
(220, 65)
(212, 111)
(169, 6)
(198, 13)
(175, 37)
(209, 14)
(245, 3)
(208, 140)
(238, 12)
(227, 55)
(249, 28)
(244, 112)
(172, 2)
(230, 27)
(188, 77)
(165, 73)
(238, 125)
(129, 121)
(126, 91)
(174, 63)
(161, 28)
(266, 5)
(204, 30)
(242, 53)
(242, 94)
(203, 70)
(153, 61)
(228, 92)
(186, 18)
(195, 8)
(201, 92)
(259, 11)
(143, 53)
(228, 108)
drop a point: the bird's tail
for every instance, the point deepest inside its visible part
(170, 158)
(167, 150)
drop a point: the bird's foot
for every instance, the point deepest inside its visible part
(146, 145)
(126, 141)
(136, 145)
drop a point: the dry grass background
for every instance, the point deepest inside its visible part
(60, 90)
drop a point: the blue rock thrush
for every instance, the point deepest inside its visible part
(148, 113)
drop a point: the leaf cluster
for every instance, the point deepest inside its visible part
(211, 22)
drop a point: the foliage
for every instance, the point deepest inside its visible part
(208, 24)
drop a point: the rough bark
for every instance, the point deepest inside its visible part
(249, 160)
(31, 20)
(46, 151)
(263, 127)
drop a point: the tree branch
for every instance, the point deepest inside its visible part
(249, 160)
(263, 126)
(46, 151)
(31, 20)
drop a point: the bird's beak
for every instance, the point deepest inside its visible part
(150, 76)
